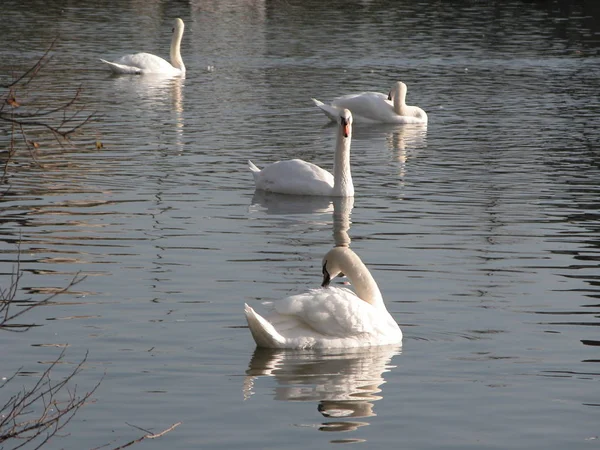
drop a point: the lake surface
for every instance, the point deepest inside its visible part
(482, 229)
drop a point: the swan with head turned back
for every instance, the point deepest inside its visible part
(375, 107)
(298, 177)
(147, 63)
(329, 317)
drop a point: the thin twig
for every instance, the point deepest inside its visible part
(148, 436)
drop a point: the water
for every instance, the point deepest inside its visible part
(480, 229)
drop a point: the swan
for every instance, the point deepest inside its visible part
(298, 177)
(329, 317)
(146, 63)
(375, 107)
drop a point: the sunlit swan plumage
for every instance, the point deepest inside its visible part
(329, 317)
(375, 107)
(147, 63)
(298, 177)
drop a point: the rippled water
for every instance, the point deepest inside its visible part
(481, 229)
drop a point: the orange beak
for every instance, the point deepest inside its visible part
(346, 128)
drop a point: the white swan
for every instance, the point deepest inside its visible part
(329, 317)
(146, 63)
(298, 177)
(374, 107)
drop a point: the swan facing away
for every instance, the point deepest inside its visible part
(298, 177)
(329, 317)
(375, 107)
(147, 63)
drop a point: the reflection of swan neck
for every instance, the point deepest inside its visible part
(176, 60)
(342, 207)
(342, 177)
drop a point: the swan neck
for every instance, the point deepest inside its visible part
(400, 100)
(364, 284)
(342, 177)
(176, 60)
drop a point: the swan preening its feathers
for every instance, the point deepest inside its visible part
(375, 107)
(298, 177)
(147, 63)
(329, 317)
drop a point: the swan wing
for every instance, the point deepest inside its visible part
(330, 111)
(367, 106)
(264, 334)
(122, 69)
(294, 177)
(332, 312)
(141, 63)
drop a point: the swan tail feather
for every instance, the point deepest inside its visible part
(263, 332)
(255, 170)
(330, 111)
(253, 167)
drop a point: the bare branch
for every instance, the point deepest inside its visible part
(33, 70)
(51, 416)
(61, 119)
(148, 436)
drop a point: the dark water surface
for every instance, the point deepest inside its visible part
(482, 229)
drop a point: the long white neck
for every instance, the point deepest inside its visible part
(176, 60)
(364, 284)
(342, 178)
(400, 100)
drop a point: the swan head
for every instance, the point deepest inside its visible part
(178, 26)
(398, 90)
(334, 263)
(345, 121)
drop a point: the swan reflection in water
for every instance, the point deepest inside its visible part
(405, 142)
(343, 383)
(280, 204)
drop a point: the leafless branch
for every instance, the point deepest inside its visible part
(61, 119)
(34, 415)
(148, 436)
(36, 412)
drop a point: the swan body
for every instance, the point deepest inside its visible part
(298, 177)
(375, 107)
(329, 317)
(147, 63)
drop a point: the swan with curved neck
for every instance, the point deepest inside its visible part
(298, 177)
(329, 317)
(375, 107)
(147, 63)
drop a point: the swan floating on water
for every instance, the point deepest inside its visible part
(375, 107)
(147, 63)
(298, 177)
(329, 317)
